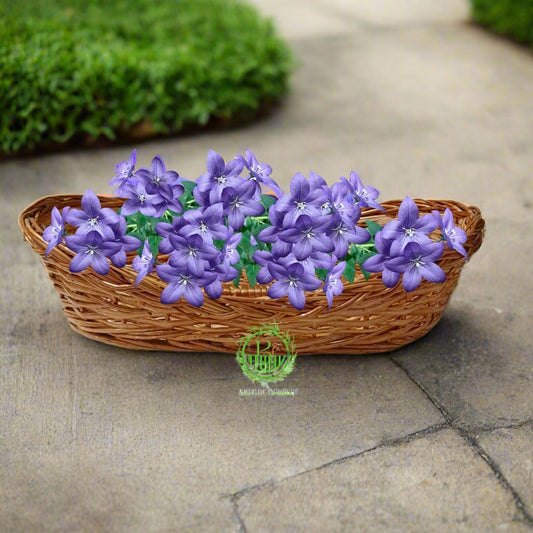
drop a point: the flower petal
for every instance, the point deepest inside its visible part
(433, 273)
(100, 263)
(80, 262)
(172, 292)
(296, 297)
(215, 163)
(411, 279)
(90, 203)
(194, 295)
(408, 213)
(278, 289)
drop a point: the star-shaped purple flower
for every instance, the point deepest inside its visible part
(93, 250)
(302, 200)
(363, 195)
(139, 200)
(408, 227)
(165, 229)
(158, 180)
(91, 217)
(208, 223)
(53, 234)
(193, 252)
(259, 173)
(230, 256)
(333, 285)
(128, 242)
(183, 283)
(343, 232)
(218, 176)
(378, 262)
(417, 262)
(239, 203)
(124, 171)
(292, 280)
(309, 235)
(144, 263)
(454, 235)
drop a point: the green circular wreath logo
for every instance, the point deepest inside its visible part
(266, 354)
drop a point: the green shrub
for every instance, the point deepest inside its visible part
(513, 18)
(71, 69)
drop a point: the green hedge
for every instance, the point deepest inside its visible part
(513, 18)
(72, 69)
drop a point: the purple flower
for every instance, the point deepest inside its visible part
(364, 196)
(318, 182)
(271, 233)
(53, 234)
(408, 227)
(143, 264)
(378, 262)
(417, 262)
(218, 176)
(292, 280)
(238, 203)
(230, 256)
(93, 250)
(158, 180)
(333, 285)
(454, 235)
(263, 259)
(192, 251)
(128, 243)
(259, 172)
(165, 229)
(183, 282)
(124, 173)
(138, 200)
(316, 260)
(308, 235)
(343, 232)
(208, 223)
(91, 216)
(341, 204)
(302, 200)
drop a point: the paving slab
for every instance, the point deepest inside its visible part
(83, 489)
(511, 450)
(436, 483)
(477, 365)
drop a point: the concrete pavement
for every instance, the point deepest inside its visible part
(434, 437)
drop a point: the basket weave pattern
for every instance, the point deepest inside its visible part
(366, 318)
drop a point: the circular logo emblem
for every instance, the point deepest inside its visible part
(266, 354)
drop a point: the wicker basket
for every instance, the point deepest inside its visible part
(366, 318)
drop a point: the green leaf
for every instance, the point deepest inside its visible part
(153, 241)
(373, 227)
(188, 186)
(349, 271)
(321, 273)
(237, 279)
(267, 200)
(251, 273)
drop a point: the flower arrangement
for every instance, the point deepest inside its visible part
(196, 235)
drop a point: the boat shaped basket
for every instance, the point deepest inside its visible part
(366, 318)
